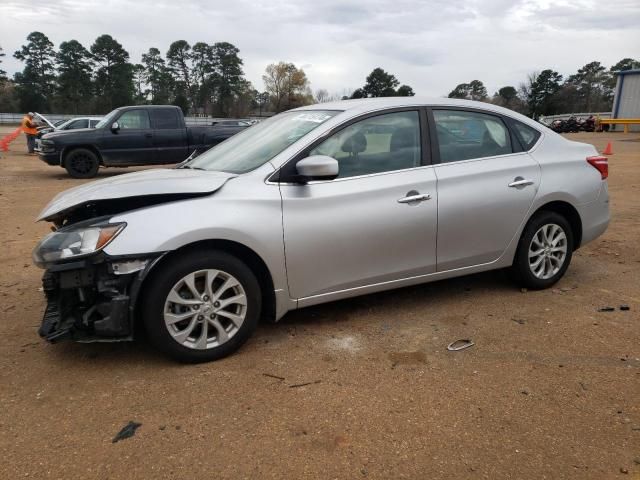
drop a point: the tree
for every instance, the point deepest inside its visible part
(474, 90)
(228, 77)
(621, 66)
(625, 64)
(35, 84)
(179, 63)
(157, 76)
(287, 85)
(261, 100)
(405, 91)
(358, 93)
(3, 74)
(139, 76)
(507, 95)
(592, 84)
(542, 93)
(380, 84)
(477, 91)
(461, 91)
(74, 79)
(204, 67)
(322, 95)
(114, 75)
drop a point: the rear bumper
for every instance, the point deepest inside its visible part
(91, 302)
(595, 216)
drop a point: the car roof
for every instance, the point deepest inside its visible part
(358, 106)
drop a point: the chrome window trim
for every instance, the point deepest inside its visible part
(355, 177)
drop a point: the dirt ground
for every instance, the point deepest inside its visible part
(550, 390)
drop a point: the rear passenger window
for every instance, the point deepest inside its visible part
(165, 118)
(528, 136)
(467, 135)
(377, 144)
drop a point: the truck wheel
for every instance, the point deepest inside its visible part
(81, 163)
(201, 306)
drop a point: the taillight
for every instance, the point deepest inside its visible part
(601, 164)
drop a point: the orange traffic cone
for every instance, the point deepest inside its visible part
(608, 150)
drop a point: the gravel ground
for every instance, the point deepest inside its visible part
(550, 390)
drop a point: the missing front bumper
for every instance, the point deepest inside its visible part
(90, 302)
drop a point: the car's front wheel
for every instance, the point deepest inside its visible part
(201, 307)
(544, 252)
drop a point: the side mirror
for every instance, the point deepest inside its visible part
(115, 126)
(317, 167)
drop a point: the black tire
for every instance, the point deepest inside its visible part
(160, 284)
(521, 270)
(81, 163)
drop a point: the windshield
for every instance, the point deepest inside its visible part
(108, 119)
(257, 145)
(65, 123)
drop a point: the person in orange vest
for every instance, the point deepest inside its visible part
(29, 127)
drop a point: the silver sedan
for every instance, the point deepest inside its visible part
(316, 204)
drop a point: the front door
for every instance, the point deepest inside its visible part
(375, 223)
(131, 143)
(485, 189)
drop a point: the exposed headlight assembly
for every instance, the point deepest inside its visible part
(75, 242)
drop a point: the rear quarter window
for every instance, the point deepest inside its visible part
(528, 136)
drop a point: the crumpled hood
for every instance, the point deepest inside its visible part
(146, 183)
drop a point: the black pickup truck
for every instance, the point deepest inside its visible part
(128, 136)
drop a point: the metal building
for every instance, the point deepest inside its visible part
(626, 102)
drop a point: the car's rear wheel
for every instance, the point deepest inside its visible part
(82, 163)
(201, 307)
(544, 251)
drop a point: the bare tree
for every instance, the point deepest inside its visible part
(322, 95)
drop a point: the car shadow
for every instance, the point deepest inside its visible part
(353, 310)
(412, 297)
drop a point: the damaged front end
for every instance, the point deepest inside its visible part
(90, 295)
(92, 300)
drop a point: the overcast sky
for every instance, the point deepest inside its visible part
(431, 45)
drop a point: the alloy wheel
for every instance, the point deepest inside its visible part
(205, 309)
(547, 251)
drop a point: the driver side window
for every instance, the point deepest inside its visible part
(383, 143)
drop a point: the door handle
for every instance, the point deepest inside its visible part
(520, 182)
(148, 135)
(415, 198)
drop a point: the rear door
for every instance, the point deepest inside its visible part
(132, 142)
(169, 135)
(486, 186)
(376, 222)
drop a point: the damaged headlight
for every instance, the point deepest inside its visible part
(75, 242)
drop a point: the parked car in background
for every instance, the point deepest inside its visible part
(316, 204)
(138, 135)
(75, 123)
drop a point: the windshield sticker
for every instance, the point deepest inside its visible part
(311, 117)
